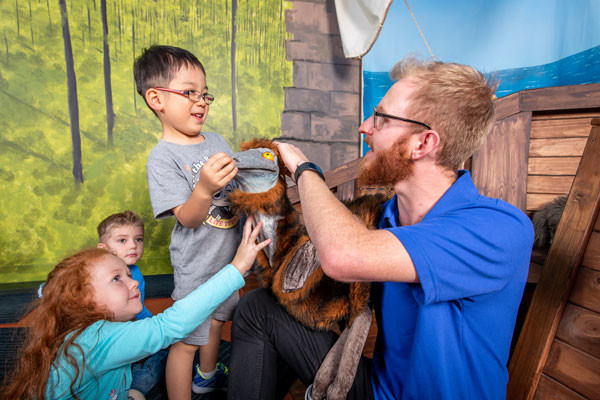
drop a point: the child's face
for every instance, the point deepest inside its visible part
(180, 117)
(114, 288)
(127, 242)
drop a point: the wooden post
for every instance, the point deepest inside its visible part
(499, 167)
(556, 281)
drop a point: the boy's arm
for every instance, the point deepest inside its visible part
(214, 175)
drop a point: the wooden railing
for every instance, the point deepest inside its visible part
(341, 181)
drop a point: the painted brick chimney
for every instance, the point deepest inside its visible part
(321, 114)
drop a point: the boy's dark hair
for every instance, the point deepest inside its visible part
(116, 220)
(157, 64)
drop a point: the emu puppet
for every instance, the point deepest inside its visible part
(290, 266)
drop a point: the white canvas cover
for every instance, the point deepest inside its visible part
(360, 22)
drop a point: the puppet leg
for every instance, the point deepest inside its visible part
(328, 368)
(354, 344)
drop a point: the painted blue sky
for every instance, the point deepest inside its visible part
(490, 35)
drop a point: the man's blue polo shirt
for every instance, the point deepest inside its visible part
(448, 337)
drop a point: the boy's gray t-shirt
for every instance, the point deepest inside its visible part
(196, 254)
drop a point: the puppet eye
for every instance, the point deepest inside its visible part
(268, 155)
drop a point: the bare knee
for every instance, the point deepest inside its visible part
(182, 349)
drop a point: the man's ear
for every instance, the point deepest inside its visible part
(428, 145)
(101, 246)
(154, 100)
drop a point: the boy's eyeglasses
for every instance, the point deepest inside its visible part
(193, 95)
(378, 119)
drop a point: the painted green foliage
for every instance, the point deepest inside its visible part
(44, 213)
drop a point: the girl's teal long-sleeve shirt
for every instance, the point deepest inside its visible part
(111, 347)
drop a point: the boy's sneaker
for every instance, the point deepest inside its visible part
(217, 382)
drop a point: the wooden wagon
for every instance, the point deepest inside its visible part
(545, 143)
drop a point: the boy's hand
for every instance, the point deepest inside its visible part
(244, 258)
(216, 173)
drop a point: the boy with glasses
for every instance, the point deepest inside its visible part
(190, 177)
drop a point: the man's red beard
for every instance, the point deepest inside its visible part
(389, 166)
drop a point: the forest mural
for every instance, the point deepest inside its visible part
(75, 135)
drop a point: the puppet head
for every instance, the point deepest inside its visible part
(260, 178)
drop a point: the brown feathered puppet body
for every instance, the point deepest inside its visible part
(290, 267)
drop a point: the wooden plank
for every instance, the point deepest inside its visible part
(591, 258)
(157, 305)
(499, 167)
(574, 97)
(554, 128)
(556, 147)
(550, 389)
(560, 268)
(343, 173)
(334, 178)
(575, 369)
(536, 201)
(549, 184)
(346, 191)
(535, 271)
(553, 165)
(561, 98)
(507, 106)
(586, 290)
(563, 114)
(580, 328)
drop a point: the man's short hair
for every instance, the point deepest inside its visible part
(157, 65)
(118, 220)
(455, 100)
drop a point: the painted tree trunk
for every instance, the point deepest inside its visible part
(233, 71)
(110, 115)
(72, 94)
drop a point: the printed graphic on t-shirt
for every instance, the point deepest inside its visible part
(112, 395)
(220, 215)
(195, 170)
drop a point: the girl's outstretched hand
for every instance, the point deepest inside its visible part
(246, 253)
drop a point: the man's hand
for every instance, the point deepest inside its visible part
(291, 156)
(216, 173)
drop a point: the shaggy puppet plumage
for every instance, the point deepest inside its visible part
(290, 266)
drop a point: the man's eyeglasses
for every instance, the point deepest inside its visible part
(379, 116)
(193, 95)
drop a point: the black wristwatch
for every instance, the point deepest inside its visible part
(307, 166)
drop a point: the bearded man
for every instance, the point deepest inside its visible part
(449, 265)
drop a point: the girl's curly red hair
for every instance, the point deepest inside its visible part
(67, 306)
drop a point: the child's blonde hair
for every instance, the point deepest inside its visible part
(67, 307)
(117, 220)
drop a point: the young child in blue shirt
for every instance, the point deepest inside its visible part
(83, 339)
(123, 235)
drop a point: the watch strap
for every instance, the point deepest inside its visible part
(307, 166)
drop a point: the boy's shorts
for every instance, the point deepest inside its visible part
(224, 312)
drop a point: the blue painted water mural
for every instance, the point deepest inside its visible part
(578, 69)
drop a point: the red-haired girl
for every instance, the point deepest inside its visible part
(82, 340)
